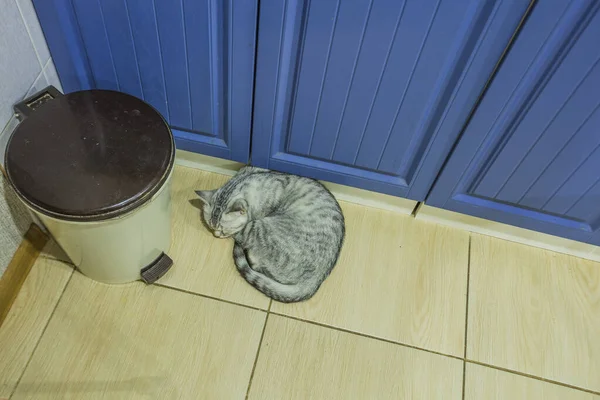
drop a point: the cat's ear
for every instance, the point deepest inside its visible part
(205, 195)
(239, 206)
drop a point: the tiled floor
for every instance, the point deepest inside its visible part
(412, 311)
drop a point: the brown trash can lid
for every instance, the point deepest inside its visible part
(90, 155)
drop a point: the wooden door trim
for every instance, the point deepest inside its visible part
(18, 269)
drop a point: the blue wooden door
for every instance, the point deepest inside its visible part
(530, 155)
(372, 93)
(193, 60)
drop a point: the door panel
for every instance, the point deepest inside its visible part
(372, 94)
(530, 155)
(192, 60)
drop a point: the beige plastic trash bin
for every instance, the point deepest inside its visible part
(95, 167)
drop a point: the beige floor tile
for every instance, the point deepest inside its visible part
(299, 360)
(135, 341)
(487, 383)
(534, 311)
(398, 279)
(203, 263)
(28, 317)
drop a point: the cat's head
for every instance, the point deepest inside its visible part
(225, 215)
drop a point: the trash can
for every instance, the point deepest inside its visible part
(95, 166)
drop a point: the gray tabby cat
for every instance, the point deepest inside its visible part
(288, 230)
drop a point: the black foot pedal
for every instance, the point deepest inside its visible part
(156, 269)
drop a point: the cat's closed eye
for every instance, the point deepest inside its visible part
(238, 208)
(235, 213)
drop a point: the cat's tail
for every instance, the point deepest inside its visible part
(270, 287)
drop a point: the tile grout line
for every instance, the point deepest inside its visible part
(262, 335)
(534, 377)
(50, 257)
(335, 328)
(35, 50)
(268, 311)
(162, 285)
(464, 377)
(206, 296)
(42, 334)
(44, 70)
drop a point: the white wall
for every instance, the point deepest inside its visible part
(25, 67)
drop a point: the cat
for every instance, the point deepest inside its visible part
(288, 230)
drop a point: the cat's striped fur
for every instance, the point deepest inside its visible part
(288, 230)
